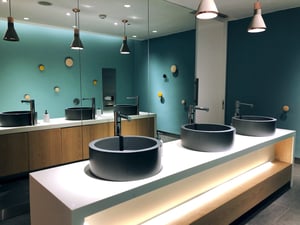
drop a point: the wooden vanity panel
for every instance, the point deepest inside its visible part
(93, 132)
(129, 127)
(13, 154)
(71, 144)
(283, 152)
(44, 148)
(146, 127)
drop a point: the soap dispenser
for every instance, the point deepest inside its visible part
(46, 117)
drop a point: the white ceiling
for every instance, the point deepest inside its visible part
(165, 16)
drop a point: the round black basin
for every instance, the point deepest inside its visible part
(140, 157)
(258, 126)
(207, 137)
(15, 118)
(126, 109)
(79, 113)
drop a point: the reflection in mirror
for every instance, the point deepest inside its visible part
(49, 45)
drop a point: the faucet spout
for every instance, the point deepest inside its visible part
(117, 122)
(93, 106)
(32, 110)
(192, 110)
(238, 105)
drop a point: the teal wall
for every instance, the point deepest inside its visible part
(177, 49)
(137, 74)
(49, 46)
(264, 69)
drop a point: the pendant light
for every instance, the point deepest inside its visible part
(207, 10)
(124, 47)
(76, 43)
(11, 34)
(257, 24)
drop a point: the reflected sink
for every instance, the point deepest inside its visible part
(126, 109)
(79, 113)
(207, 137)
(258, 126)
(140, 158)
(15, 118)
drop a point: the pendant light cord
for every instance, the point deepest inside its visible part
(9, 5)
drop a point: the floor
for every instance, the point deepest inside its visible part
(282, 208)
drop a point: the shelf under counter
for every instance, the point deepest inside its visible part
(73, 197)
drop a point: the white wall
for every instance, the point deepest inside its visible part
(211, 47)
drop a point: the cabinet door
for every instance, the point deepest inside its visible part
(93, 132)
(13, 154)
(129, 127)
(146, 127)
(71, 144)
(44, 148)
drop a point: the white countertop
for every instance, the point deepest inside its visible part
(75, 189)
(62, 122)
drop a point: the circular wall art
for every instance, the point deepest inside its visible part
(69, 61)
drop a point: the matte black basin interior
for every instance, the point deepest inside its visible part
(207, 137)
(126, 109)
(79, 113)
(140, 158)
(16, 118)
(258, 126)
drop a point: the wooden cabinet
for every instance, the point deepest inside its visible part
(71, 144)
(44, 148)
(13, 154)
(93, 132)
(33, 150)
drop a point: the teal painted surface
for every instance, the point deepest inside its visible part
(264, 69)
(19, 73)
(177, 49)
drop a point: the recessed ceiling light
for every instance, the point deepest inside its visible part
(44, 3)
(26, 18)
(68, 14)
(154, 31)
(4, 1)
(102, 16)
(115, 23)
(127, 6)
(134, 36)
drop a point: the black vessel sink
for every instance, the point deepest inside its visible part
(139, 157)
(258, 126)
(126, 109)
(79, 113)
(207, 137)
(16, 118)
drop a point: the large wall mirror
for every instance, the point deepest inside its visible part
(39, 65)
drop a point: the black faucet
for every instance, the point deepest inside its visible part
(137, 103)
(117, 127)
(93, 106)
(192, 109)
(32, 110)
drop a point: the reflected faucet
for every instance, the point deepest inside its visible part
(238, 105)
(192, 110)
(32, 110)
(93, 106)
(137, 103)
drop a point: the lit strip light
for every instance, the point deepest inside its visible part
(207, 197)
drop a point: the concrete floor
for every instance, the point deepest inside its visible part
(282, 208)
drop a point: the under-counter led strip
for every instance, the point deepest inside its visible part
(207, 197)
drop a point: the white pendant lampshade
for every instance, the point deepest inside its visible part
(257, 23)
(207, 10)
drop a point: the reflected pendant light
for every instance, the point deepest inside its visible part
(207, 10)
(76, 43)
(11, 34)
(257, 23)
(124, 47)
